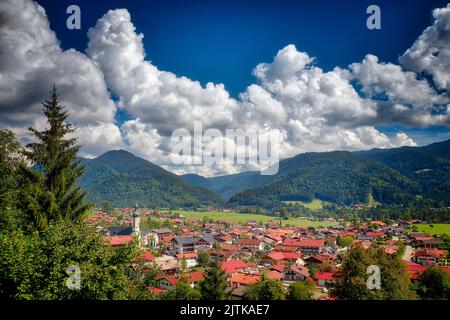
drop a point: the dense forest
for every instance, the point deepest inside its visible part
(123, 179)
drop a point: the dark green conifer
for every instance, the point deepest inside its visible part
(49, 191)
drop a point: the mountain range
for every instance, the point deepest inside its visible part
(123, 180)
(391, 176)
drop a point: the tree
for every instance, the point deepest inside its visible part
(300, 291)
(183, 291)
(284, 213)
(107, 207)
(33, 266)
(434, 283)
(204, 258)
(345, 241)
(215, 284)
(266, 289)
(394, 278)
(48, 187)
(10, 159)
(183, 264)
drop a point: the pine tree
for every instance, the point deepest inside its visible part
(214, 287)
(49, 193)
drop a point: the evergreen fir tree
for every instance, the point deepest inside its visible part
(49, 192)
(214, 287)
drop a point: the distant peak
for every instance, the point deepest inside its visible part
(119, 152)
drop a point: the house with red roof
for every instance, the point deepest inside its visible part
(189, 257)
(319, 259)
(243, 279)
(282, 257)
(116, 241)
(296, 273)
(169, 281)
(235, 266)
(307, 246)
(251, 244)
(429, 257)
(324, 279)
(156, 291)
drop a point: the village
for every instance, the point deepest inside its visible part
(180, 248)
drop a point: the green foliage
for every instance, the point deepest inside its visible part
(204, 258)
(300, 291)
(153, 223)
(345, 241)
(395, 283)
(48, 193)
(338, 177)
(266, 289)
(214, 286)
(123, 179)
(10, 160)
(107, 207)
(33, 266)
(183, 291)
(434, 283)
(284, 213)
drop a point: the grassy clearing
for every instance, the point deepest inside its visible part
(244, 217)
(316, 204)
(438, 228)
(372, 202)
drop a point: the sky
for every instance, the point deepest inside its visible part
(311, 71)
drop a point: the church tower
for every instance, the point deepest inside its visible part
(137, 223)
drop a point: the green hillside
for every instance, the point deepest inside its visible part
(338, 177)
(123, 179)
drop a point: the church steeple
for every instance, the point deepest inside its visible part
(137, 222)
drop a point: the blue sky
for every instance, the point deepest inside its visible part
(223, 40)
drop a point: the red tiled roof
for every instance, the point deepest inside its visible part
(376, 234)
(249, 241)
(281, 247)
(245, 278)
(326, 276)
(274, 275)
(233, 265)
(227, 246)
(189, 255)
(156, 290)
(148, 255)
(304, 243)
(118, 240)
(300, 270)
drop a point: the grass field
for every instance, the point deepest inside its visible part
(316, 204)
(372, 203)
(438, 228)
(244, 217)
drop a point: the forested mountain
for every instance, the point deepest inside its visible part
(391, 176)
(429, 166)
(339, 177)
(123, 179)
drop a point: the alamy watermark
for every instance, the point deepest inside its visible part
(252, 147)
(374, 280)
(73, 282)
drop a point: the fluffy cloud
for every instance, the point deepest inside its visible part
(430, 53)
(154, 96)
(31, 61)
(306, 108)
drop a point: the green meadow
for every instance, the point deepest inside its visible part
(244, 217)
(438, 228)
(316, 204)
